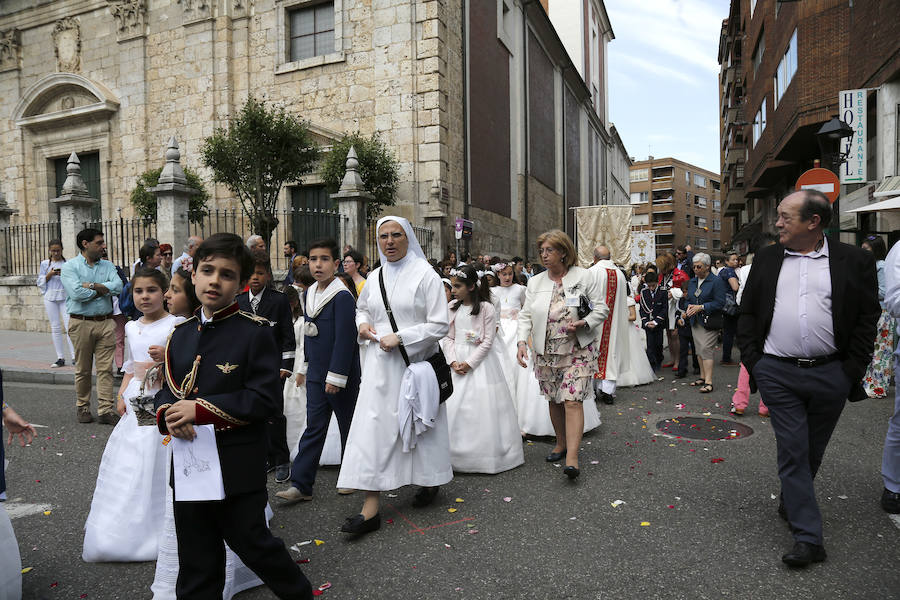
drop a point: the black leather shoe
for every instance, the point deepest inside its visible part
(556, 456)
(572, 472)
(804, 553)
(607, 398)
(425, 496)
(890, 501)
(359, 525)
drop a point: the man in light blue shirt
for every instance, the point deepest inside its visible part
(90, 283)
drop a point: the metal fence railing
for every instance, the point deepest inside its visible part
(124, 238)
(423, 234)
(27, 245)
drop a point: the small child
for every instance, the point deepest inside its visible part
(654, 317)
(260, 299)
(484, 429)
(219, 372)
(331, 366)
(685, 337)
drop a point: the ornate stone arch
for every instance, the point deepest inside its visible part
(59, 114)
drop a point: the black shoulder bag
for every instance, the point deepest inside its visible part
(437, 360)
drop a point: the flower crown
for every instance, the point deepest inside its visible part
(499, 267)
(460, 274)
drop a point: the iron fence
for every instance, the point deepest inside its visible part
(27, 245)
(124, 238)
(423, 234)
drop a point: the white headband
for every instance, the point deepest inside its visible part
(499, 267)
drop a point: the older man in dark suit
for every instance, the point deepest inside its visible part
(808, 317)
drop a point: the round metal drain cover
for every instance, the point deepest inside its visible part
(702, 428)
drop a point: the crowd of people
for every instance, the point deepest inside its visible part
(409, 370)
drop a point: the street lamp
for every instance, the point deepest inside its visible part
(829, 138)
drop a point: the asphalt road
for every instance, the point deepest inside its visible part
(712, 530)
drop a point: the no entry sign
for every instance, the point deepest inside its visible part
(822, 180)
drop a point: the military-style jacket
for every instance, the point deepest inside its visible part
(226, 366)
(275, 307)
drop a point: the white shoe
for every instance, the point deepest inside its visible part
(59, 363)
(292, 495)
(345, 491)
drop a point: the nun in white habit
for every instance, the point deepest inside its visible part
(374, 459)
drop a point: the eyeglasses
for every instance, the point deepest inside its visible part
(546, 250)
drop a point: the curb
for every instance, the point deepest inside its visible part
(14, 375)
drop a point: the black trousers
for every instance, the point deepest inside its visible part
(201, 529)
(729, 329)
(277, 432)
(804, 405)
(655, 346)
(685, 343)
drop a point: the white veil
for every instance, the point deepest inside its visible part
(414, 248)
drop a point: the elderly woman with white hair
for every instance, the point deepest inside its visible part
(256, 242)
(706, 299)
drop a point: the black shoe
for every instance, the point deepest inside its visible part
(804, 553)
(556, 456)
(282, 472)
(890, 501)
(359, 525)
(571, 472)
(425, 496)
(607, 398)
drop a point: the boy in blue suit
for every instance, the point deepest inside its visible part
(685, 337)
(331, 365)
(654, 317)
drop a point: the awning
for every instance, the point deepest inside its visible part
(889, 204)
(888, 188)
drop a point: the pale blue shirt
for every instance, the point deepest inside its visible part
(892, 281)
(84, 301)
(802, 324)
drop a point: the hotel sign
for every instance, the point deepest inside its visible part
(852, 104)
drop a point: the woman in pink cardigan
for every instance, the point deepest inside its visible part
(484, 430)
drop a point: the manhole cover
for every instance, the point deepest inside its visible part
(702, 428)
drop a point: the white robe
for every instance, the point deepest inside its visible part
(617, 320)
(374, 459)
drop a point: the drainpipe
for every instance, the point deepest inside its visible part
(526, 242)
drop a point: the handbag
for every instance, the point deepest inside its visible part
(713, 322)
(731, 306)
(584, 306)
(437, 360)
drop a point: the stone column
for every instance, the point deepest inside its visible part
(435, 220)
(5, 213)
(173, 195)
(75, 204)
(352, 198)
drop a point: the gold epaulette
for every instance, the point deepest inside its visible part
(256, 318)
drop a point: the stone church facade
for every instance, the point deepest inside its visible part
(476, 98)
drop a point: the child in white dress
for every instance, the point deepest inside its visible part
(484, 431)
(634, 368)
(511, 296)
(127, 510)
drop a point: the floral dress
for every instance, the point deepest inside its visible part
(565, 370)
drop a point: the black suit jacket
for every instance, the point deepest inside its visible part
(275, 307)
(236, 389)
(854, 303)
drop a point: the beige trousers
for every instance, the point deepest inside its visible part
(95, 342)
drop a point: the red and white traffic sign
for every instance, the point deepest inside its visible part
(822, 180)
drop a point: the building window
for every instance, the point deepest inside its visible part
(759, 51)
(700, 221)
(701, 243)
(639, 197)
(699, 180)
(687, 177)
(759, 123)
(700, 201)
(687, 198)
(687, 220)
(638, 175)
(717, 244)
(717, 205)
(312, 31)
(784, 74)
(717, 225)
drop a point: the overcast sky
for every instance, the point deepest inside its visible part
(663, 67)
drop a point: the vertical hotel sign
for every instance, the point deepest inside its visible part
(852, 104)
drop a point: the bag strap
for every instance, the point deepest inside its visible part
(390, 313)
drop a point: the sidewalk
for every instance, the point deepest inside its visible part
(25, 357)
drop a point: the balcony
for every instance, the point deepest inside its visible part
(734, 201)
(662, 229)
(663, 183)
(663, 207)
(735, 154)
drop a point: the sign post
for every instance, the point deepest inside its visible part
(822, 180)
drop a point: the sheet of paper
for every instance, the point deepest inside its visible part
(198, 474)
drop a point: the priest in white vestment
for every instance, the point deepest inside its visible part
(611, 282)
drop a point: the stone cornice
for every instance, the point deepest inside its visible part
(48, 14)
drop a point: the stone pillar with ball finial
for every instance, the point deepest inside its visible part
(352, 198)
(75, 204)
(173, 196)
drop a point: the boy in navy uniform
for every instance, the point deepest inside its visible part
(331, 367)
(685, 337)
(219, 371)
(654, 317)
(262, 300)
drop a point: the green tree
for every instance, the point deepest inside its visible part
(377, 167)
(144, 201)
(263, 149)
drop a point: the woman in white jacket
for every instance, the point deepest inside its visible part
(563, 340)
(55, 302)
